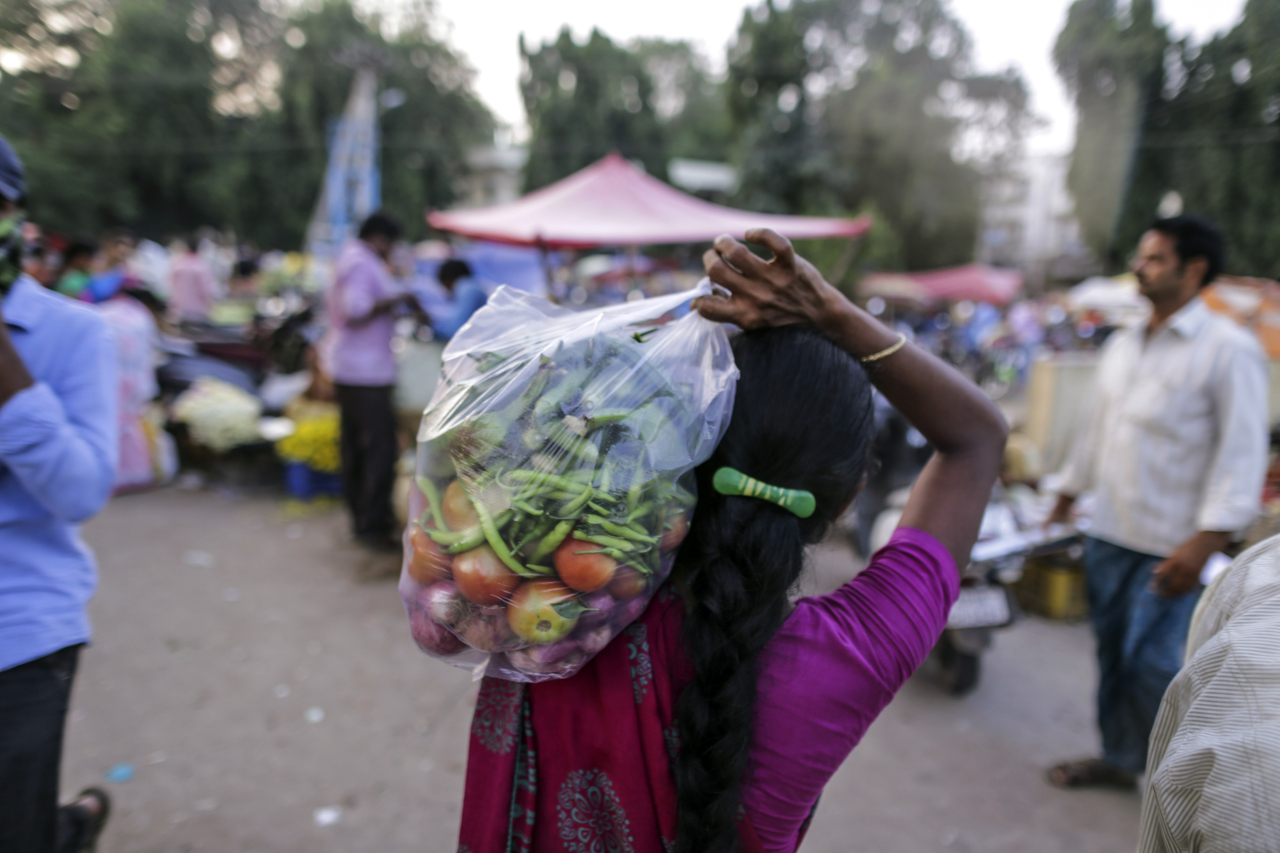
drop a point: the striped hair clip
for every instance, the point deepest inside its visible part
(730, 481)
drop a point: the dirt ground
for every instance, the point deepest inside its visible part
(260, 693)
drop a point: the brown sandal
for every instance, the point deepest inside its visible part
(1089, 773)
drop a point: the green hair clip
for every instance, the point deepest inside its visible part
(730, 481)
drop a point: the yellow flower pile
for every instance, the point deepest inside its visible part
(314, 442)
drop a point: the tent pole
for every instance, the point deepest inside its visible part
(548, 278)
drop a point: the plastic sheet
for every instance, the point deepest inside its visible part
(554, 478)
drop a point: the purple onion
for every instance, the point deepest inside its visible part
(601, 605)
(629, 611)
(431, 637)
(487, 630)
(444, 603)
(593, 641)
(562, 657)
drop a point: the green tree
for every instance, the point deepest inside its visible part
(690, 105)
(847, 106)
(583, 101)
(169, 114)
(1111, 59)
(423, 140)
(1213, 136)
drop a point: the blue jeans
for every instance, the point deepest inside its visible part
(1141, 637)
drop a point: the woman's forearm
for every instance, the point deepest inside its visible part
(948, 409)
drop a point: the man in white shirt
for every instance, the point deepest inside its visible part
(1175, 453)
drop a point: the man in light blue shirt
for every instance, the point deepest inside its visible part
(467, 294)
(58, 444)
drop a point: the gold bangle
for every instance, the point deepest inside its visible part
(887, 351)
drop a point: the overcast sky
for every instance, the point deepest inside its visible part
(1005, 32)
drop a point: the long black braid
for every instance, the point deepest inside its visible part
(802, 418)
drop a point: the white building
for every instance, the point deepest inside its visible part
(1028, 222)
(497, 176)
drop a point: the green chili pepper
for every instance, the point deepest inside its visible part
(542, 478)
(465, 541)
(524, 507)
(638, 512)
(432, 495)
(608, 552)
(608, 541)
(551, 541)
(495, 541)
(573, 507)
(621, 530)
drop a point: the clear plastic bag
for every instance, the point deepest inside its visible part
(555, 478)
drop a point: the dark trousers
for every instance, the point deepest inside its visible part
(33, 712)
(369, 452)
(1141, 638)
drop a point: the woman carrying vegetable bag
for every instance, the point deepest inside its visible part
(714, 721)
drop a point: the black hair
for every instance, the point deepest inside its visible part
(79, 249)
(117, 234)
(245, 267)
(380, 224)
(1195, 237)
(802, 419)
(453, 269)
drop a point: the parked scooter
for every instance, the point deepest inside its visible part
(986, 601)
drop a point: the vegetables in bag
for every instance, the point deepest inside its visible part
(555, 478)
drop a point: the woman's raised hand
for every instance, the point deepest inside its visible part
(784, 290)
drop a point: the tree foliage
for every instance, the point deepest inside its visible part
(583, 101)
(178, 113)
(1158, 115)
(847, 106)
(1110, 59)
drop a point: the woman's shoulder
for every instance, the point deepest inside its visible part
(913, 570)
(883, 621)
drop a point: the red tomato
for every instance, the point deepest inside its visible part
(427, 563)
(482, 578)
(674, 532)
(458, 512)
(583, 572)
(532, 614)
(627, 583)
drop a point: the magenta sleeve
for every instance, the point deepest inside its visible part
(832, 668)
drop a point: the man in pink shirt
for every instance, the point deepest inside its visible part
(192, 287)
(362, 307)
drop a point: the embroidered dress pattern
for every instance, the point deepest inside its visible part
(641, 664)
(497, 715)
(591, 819)
(671, 737)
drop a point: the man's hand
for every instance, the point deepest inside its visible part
(778, 292)
(1180, 573)
(14, 376)
(1061, 513)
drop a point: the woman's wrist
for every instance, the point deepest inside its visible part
(854, 330)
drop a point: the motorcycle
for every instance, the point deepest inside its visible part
(986, 602)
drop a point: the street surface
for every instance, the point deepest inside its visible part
(264, 694)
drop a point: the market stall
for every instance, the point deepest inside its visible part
(614, 203)
(972, 282)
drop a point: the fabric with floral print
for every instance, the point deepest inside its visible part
(590, 816)
(641, 662)
(497, 714)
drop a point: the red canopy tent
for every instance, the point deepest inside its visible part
(613, 203)
(975, 282)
